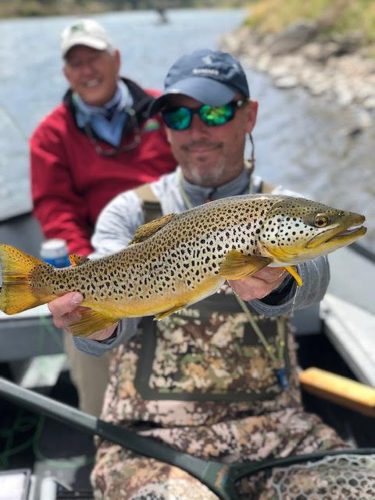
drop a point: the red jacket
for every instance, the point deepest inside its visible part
(71, 182)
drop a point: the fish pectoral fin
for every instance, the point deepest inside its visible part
(166, 313)
(236, 265)
(146, 230)
(293, 271)
(91, 321)
(77, 260)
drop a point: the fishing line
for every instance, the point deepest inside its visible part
(35, 442)
(23, 423)
(269, 349)
(251, 160)
(219, 477)
(257, 330)
(51, 331)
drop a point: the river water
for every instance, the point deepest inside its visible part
(301, 141)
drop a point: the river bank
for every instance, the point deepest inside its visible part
(85, 8)
(336, 68)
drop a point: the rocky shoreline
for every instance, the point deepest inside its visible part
(336, 68)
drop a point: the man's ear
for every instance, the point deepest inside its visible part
(252, 112)
(64, 70)
(118, 60)
(168, 133)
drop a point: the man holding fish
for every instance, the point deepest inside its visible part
(218, 379)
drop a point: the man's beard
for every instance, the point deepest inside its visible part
(202, 169)
(202, 175)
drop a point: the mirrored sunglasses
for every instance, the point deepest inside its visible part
(180, 118)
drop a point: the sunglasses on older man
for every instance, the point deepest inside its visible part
(180, 118)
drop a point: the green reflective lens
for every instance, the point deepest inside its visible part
(213, 116)
(218, 115)
(178, 119)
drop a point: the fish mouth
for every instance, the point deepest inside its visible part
(344, 236)
(341, 234)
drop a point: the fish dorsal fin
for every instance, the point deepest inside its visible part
(77, 260)
(236, 265)
(146, 230)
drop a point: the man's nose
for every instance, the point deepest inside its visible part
(86, 67)
(198, 127)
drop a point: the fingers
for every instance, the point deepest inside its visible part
(103, 334)
(271, 275)
(260, 284)
(66, 309)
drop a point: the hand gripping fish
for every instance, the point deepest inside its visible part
(180, 259)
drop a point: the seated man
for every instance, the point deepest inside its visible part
(203, 381)
(94, 145)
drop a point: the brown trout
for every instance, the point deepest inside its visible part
(180, 259)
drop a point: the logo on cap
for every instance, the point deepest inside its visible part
(77, 27)
(207, 60)
(85, 32)
(205, 71)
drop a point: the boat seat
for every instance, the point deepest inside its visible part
(351, 329)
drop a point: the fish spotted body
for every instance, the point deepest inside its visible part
(182, 258)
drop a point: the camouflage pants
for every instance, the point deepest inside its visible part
(121, 475)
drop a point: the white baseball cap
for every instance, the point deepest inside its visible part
(85, 32)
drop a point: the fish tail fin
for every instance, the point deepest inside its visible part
(16, 292)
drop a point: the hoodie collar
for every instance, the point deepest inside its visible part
(197, 195)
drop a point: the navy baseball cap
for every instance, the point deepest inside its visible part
(209, 76)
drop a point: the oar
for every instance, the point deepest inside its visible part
(212, 474)
(219, 478)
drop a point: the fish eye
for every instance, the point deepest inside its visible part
(321, 220)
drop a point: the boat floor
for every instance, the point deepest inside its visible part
(46, 447)
(52, 449)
